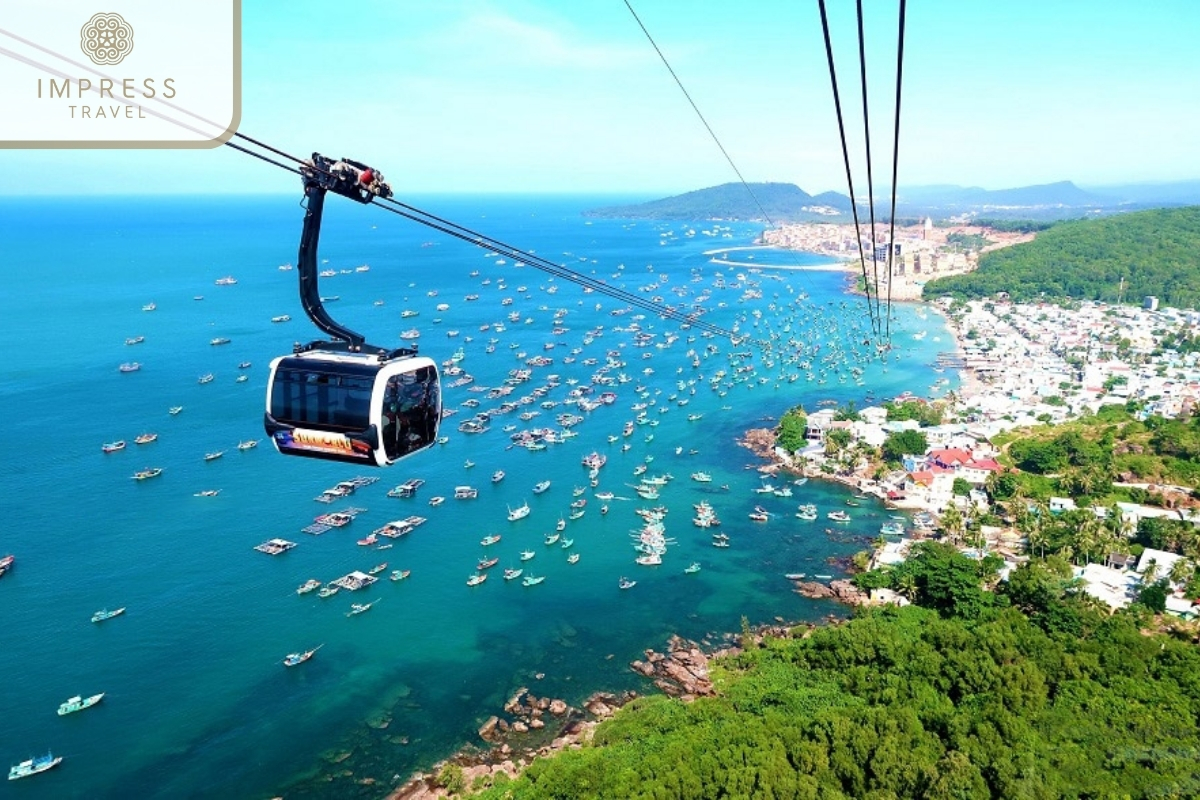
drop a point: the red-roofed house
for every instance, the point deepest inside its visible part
(949, 457)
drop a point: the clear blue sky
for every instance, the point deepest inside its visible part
(547, 95)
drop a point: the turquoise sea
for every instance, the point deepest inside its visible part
(197, 702)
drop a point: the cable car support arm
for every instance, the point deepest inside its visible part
(349, 179)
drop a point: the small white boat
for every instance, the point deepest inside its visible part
(78, 703)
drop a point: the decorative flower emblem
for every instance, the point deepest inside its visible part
(106, 39)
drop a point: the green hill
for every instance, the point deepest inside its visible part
(1030, 694)
(782, 202)
(1156, 252)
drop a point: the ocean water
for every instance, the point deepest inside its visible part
(198, 703)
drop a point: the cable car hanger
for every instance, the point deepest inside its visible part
(360, 183)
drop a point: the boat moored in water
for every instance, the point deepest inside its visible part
(33, 766)
(104, 614)
(78, 703)
(292, 659)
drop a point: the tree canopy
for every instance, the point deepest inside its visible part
(1153, 251)
(1029, 694)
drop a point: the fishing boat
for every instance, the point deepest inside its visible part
(551, 538)
(145, 438)
(328, 591)
(649, 560)
(561, 525)
(625, 583)
(532, 581)
(213, 456)
(573, 558)
(129, 366)
(207, 377)
(33, 766)
(475, 580)
(807, 512)
(400, 574)
(497, 476)
(104, 614)
(520, 512)
(249, 444)
(436, 501)
(541, 487)
(576, 514)
(360, 608)
(800, 481)
(702, 477)
(112, 447)
(491, 538)
(220, 340)
(692, 569)
(838, 516)
(174, 410)
(378, 568)
(796, 576)
(78, 703)
(512, 574)
(527, 554)
(6, 564)
(310, 585)
(487, 563)
(567, 543)
(292, 659)
(368, 541)
(135, 340)
(465, 493)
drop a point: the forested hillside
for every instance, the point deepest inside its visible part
(1030, 692)
(1156, 252)
(782, 202)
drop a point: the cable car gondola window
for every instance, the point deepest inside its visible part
(411, 408)
(307, 397)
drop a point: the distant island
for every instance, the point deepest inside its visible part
(781, 202)
(1126, 257)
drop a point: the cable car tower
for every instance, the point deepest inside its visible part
(343, 399)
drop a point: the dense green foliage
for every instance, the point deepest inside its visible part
(1027, 694)
(1156, 252)
(790, 433)
(781, 202)
(902, 443)
(1015, 225)
(1087, 454)
(925, 413)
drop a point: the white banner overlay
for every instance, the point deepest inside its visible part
(120, 73)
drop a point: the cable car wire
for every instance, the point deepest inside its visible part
(895, 159)
(837, 104)
(695, 108)
(479, 239)
(862, 66)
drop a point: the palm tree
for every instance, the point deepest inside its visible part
(1182, 571)
(1150, 573)
(906, 585)
(952, 523)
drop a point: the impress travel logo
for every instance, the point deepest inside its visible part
(106, 39)
(71, 75)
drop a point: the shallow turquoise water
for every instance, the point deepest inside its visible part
(198, 703)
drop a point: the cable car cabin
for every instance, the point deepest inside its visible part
(353, 406)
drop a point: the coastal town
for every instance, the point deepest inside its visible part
(1023, 366)
(919, 253)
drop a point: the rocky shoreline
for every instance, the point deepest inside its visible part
(517, 735)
